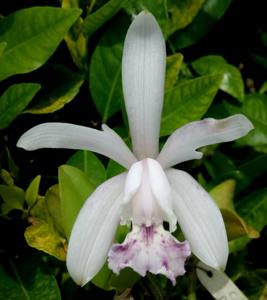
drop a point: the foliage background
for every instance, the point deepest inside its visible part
(57, 66)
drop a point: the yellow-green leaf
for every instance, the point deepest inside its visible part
(32, 191)
(44, 237)
(174, 64)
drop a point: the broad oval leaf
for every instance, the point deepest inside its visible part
(105, 70)
(89, 163)
(41, 31)
(14, 100)
(55, 93)
(182, 13)
(188, 102)
(255, 108)
(253, 209)
(74, 189)
(210, 13)
(27, 279)
(232, 82)
(95, 20)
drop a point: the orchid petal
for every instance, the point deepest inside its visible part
(182, 144)
(200, 219)
(161, 190)
(94, 230)
(143, 73)
(64, 135)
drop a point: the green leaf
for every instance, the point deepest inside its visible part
(188, 102)
(113, 169)
(253, 209)
(173, 67)
(223, 194)
(13, 197)
(263, 88)
(105, 70)
(14, 100)
(2, 47)
(210, 13)
(232, 82)
(56, 93)
(43, 29)
(182, 13)
(74, 189)
(88, 162)
(6, 177)
(27, 279)
(255, 108)
(95, 20)
(32, 191)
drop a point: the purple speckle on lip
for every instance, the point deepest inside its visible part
(150, 249)
(148, 233)
(165, 263)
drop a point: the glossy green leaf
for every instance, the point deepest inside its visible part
(113, 169)
(74, 189)
(32, 191)
(232, 82)
(2, 47)
(253, 209)
(56, 93)
(43, 29)
(105, 70)
(95, 20)
(188, 102)
(14, 100)
(209, 14)
(255, 108)
(27, 279)
(173, 67)
(182, 13)
(13, 197)
(89, 163)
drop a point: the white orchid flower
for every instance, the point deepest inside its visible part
(151, 192)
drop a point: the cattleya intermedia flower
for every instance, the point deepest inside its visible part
(151, 191)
